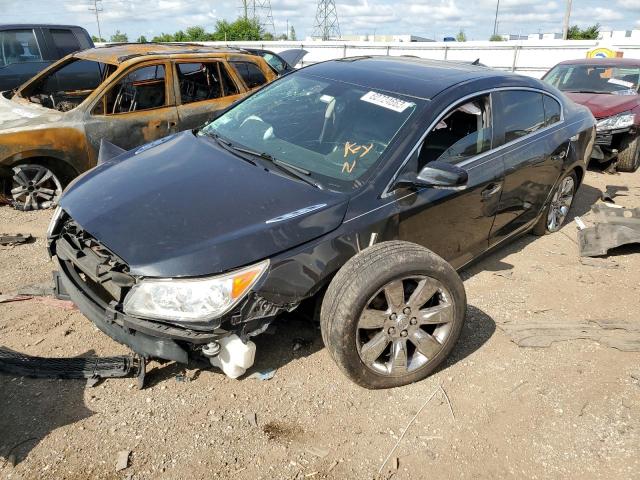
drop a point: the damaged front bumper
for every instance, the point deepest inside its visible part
(97, 282)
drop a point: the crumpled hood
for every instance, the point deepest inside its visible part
(18, 115)
(604, 105)
(187, 207)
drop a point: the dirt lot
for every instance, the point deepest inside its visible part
(568, 410)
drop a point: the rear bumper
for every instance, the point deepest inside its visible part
(114, 325)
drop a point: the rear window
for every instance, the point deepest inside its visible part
(18, 46)
(551, 110)
(522, 113)
(250, 74)
(66, 42)
(204, 81)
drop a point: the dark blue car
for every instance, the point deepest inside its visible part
(360, 185)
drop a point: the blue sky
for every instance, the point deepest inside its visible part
(430, 18)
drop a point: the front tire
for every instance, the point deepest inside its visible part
(629, 155)
(392, 314)
(34, 187)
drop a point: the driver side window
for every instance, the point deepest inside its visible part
(464, 132)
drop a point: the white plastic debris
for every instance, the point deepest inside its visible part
(235, 356)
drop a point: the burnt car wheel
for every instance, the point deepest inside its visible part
(392, 314)
(556, 213)
(629, 156)
(34, 187)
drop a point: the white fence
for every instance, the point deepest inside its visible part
(531, 57)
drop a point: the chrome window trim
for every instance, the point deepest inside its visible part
(386, 192)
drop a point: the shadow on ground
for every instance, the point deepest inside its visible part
(32, 408)
(492, 262)
(477, 330)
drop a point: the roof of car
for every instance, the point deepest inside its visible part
(121, 52)
(411, 76)
(631, 62)
(11, 26)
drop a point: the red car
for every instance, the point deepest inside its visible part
(610, 88)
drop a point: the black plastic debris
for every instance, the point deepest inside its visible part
(615, 226)
(14, 238)
(15, 363)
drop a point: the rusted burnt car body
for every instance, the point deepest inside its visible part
(128, 94)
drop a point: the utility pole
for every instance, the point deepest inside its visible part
(567, 16)
(97, 8)
(495, 21)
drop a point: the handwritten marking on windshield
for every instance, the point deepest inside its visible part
(354, 149)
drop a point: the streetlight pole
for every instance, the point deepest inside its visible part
(567, 16)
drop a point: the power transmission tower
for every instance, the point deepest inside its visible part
(97, 8)
(260, 12)
(326, 26)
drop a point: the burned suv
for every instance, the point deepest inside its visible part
(361, 184)
(127, 94)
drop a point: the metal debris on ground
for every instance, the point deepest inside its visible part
(14, 238)
(122, 462)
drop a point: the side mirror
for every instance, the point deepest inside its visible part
(436, 174)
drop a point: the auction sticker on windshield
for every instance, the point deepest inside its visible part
(386, 101)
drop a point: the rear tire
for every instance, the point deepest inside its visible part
(392, 314)
(629, 155)
(560, 206)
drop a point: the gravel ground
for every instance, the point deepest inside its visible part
(571, 410)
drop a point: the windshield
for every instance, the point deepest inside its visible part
(334, 131)
(67, 84)
(595, 79)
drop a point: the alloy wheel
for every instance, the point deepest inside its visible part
(405, 325)
(560, 204)
(34, 187)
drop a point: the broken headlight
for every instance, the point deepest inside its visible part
(622, 120)
(191, 299)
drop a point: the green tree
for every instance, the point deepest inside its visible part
(142, 39)
(95, 39)
(119, 37)
(197, 34)
(163, 37)
(267, 36)
(496, 38)
(461, 36)
(292, 33)
(588, 33)
(241, 29)
(180, 36)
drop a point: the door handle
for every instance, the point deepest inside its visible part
(171, 124)
(491, 190)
